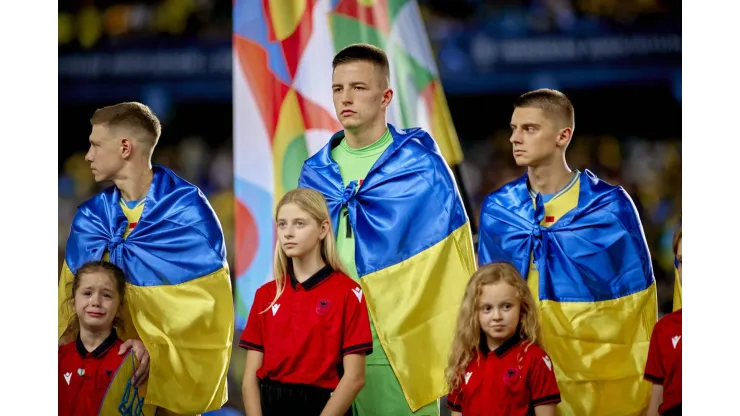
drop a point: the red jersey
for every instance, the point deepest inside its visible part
(508, 381)
(664, 359)
(84, 376)
(308, 330)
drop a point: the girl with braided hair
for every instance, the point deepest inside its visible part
(497, 365)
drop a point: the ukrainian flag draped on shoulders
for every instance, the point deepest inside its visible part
(178, 295)
(413, 251)
(596, 289)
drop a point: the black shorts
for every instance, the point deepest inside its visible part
(282, 399)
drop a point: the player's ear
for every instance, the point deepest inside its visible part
(564, 136)
(387, 98)
(126, 147)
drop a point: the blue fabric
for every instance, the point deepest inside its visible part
(407, 203)
(595, 252)
(177, 239)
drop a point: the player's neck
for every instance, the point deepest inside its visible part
(366, 135)
(549, 178)
(307, 265)
(92, 339)
(134, 182)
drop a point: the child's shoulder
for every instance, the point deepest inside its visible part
(345, 282)
(268, 288)
(66, 349)
(535, 352)
(669, 320)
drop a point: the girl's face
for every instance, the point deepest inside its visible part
(498, 312)
(298, 233)
(96, 301)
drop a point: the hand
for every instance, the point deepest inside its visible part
(142, 356)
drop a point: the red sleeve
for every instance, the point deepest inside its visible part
(251, 338)
(455, 399)
(654, 369)
(357, 337)
(542, 381)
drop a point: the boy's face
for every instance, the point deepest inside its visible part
(535, 138)
(360, 94)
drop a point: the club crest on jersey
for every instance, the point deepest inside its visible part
(511, 375)
(358, 292)
(322, 306)
(275, 308)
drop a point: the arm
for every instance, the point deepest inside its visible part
(453, 413)
(545, 410)
(251, 384)
(351, 383)
(656, 399)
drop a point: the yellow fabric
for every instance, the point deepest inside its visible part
(556, 207)
(188, 353)
(677, 292)
(414, 306)
(132, 215)
(599, 349)
(117, 389)
(443, 129)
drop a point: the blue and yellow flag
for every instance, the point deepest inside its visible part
(178, 297)
(596, 289)
(414, 252)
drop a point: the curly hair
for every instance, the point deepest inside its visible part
(468, 334)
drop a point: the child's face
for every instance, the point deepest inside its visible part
(498, 312)
(298, 233)
(96, 301)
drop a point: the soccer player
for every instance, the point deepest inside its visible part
(401, 230)
(165, 236)
(580, 244)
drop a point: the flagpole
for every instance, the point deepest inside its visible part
(466, 201)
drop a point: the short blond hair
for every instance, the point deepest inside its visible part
(552, 102)
(137, 118)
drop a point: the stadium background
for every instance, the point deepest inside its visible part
(626, 89)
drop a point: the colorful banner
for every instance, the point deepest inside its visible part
(283, 110)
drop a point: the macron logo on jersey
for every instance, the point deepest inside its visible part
(275, 308)
(547, 361)
(467, 376)
(358, 292)
(67, 377)
(675, 340)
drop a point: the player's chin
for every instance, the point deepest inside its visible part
(521, 161)
(350, 123)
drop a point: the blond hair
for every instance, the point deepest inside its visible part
(136, 118)
(313, 204)
(468, 334)
(554, 103)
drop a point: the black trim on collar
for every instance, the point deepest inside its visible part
(502, 349)
(312, 281)
(336, 141)
(102, 348)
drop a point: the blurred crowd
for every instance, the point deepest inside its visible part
(649, 170)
